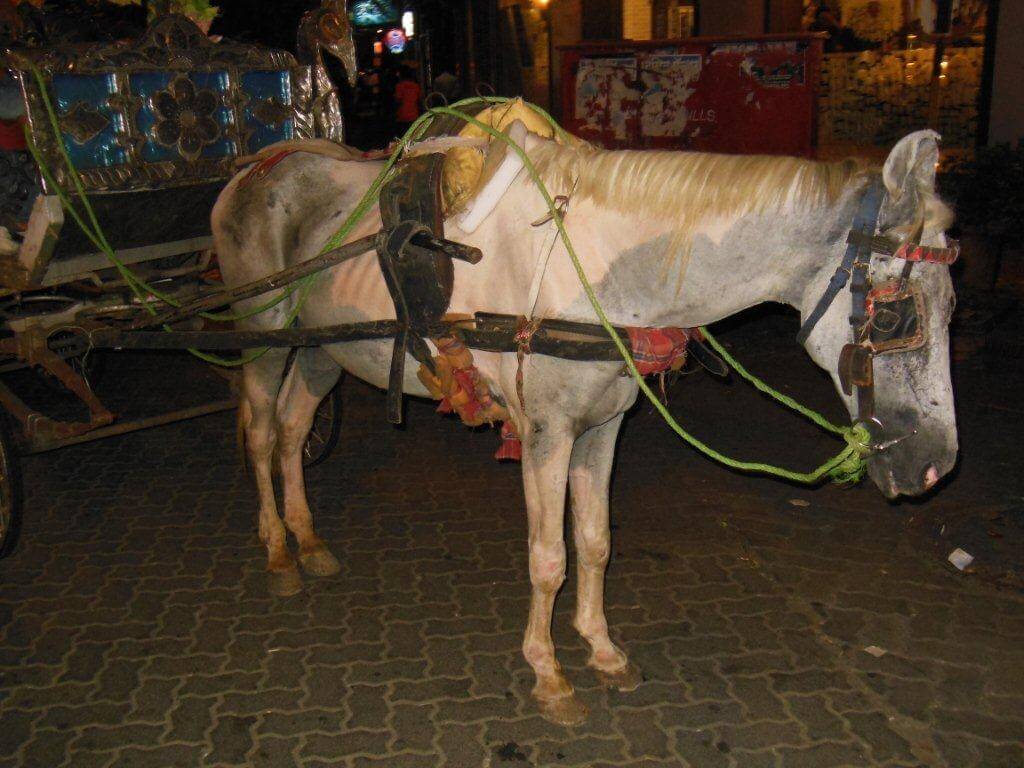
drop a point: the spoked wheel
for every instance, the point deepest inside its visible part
(323, 435)
(10, 492)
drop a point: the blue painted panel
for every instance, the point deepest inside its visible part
(218, 82)
(144, 85)
(262, 86)
(103, 150)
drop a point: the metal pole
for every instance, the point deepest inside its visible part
(134, 426)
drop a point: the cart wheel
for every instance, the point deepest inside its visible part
(10, 492)
(323, 435)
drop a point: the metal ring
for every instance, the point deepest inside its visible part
(430, 96)
(868, 422)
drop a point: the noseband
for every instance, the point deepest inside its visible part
(886, 318)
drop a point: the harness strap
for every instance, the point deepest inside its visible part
(863, 222)
(908, 250)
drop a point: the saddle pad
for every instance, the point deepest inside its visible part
(501, 166)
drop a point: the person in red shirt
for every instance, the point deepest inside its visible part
(407, 101)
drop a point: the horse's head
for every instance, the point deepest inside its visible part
(913, 426)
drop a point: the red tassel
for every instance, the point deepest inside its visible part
(511, 446)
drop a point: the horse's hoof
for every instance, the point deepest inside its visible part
(284, 583)
(626, 679)
(565, 710)
(319, 562)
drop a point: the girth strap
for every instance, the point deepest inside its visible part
(863, 223)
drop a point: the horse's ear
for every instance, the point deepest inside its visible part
(912, 162)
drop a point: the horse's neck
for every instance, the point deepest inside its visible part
(731, 265)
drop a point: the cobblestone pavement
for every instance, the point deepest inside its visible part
(135, 629)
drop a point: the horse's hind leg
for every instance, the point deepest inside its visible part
(546, 451)
(311, 377)
(589, 476)
(261, 382)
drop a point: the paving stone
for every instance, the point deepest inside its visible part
(461, 746)
(167, 756)
(345, 743)
(760, 735)
(275, 752)
(700, 748)
(757, 698)
(190, 718)
(100, 739)
(819, 722)
(829, 754)
(47, 748)
(885, 743)
(231, 739)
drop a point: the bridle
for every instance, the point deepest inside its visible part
(884, 319)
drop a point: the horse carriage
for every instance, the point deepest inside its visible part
(154, 127)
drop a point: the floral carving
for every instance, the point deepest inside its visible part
(185, 117)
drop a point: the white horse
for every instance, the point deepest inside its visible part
(746, 229)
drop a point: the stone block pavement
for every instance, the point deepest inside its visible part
(135, 629)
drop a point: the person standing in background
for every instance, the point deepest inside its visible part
(408, 96)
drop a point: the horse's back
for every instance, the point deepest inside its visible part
(283, 208)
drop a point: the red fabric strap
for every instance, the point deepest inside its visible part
(265, 166)
(929, 254)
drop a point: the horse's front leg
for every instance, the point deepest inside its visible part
(546, 452)
(589, 477)
(311, 377)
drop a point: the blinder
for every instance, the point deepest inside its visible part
(896, 319)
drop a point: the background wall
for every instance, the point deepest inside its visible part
(731, 17)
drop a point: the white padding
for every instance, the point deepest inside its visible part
(501, 166)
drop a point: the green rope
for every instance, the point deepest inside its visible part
(846, 466)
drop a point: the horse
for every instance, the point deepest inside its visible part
(667, 239)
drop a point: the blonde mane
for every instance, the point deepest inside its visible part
(691, 188)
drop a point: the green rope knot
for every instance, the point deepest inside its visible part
(854, 462)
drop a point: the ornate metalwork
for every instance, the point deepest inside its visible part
(185, 117)
(327, 29)
(84, 122)
(176, 94)
(273, 112)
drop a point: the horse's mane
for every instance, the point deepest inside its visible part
(692, 188)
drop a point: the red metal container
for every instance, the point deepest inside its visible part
(723, 94)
